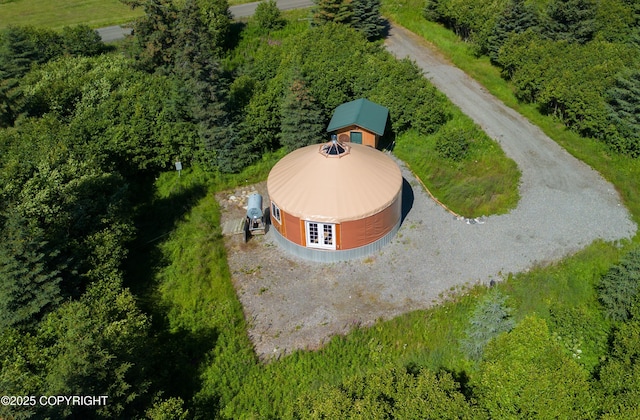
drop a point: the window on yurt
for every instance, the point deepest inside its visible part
(275, 211)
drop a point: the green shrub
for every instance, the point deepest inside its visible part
(453, 143)
(581, 330)
(268, 16)
(618, 289)
(389, 393)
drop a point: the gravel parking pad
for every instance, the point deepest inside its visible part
(292, 304)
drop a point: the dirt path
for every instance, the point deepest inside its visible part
(565, 205)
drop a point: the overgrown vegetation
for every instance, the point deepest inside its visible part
(479, 181)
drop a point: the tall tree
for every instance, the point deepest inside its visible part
(96, 347)
(17, 54)
(624, 112)
(337, 11)
(197, 67)
(302, 123)
(153, 41)
(30, 285)
(367, 19)
(571, 20)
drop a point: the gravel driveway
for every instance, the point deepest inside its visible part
(565, 205)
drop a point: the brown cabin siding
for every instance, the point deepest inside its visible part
(369, 138)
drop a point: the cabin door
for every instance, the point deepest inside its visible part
(321, 235)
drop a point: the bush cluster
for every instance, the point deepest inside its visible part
(453, 143)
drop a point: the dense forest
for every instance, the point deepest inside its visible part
(113, 278)
(575, 59)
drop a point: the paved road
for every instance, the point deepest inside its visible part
(246, 10)
(115, 33)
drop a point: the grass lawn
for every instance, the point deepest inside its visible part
(58, 14)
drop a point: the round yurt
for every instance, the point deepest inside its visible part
(335, 201)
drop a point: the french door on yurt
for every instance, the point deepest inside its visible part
(321, 235)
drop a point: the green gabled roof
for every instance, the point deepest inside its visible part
(362, 113)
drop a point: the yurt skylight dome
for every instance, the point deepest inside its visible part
(334, 148)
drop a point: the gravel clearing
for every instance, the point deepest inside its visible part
(294, 304)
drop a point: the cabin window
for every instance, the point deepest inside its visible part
(275, 212)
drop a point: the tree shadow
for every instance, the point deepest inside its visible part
(155, 220)
(174, 357)
(235, 34)
(462, 379)
(177, 359)
(386, 28)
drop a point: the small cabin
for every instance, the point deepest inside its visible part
(360, 121)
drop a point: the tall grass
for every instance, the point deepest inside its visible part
(484, 183)
(189, 289)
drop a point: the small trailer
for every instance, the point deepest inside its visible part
(254, 223)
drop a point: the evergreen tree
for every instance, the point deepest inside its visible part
(197, 67)
(17, 54)
(571, 20)
(431, 11)
(490, 319)
(153, 39)
(367, 19)
(337, 11)
(301, 118)
(619, 289)
(30, 287)
(624, 112)
(517, 17)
